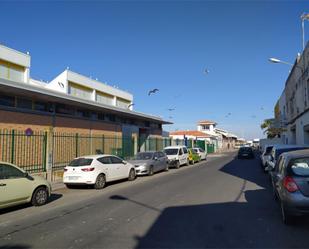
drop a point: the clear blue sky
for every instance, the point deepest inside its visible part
(167, 45)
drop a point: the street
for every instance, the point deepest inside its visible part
(224, 202)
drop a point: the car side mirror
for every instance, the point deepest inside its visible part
(124, 162)
(26, 174)
(155, 158)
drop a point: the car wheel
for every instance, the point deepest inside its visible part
(286, 217)
(177, 165)
(100, 182)
(68, 185)
(132, 175)
(40, 196)
(150, 173)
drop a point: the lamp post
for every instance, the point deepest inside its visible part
(303, 17)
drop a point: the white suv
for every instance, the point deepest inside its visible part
(177, 155)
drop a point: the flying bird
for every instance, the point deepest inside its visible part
(262, 108)
(206, 71)
(131, 105)
(153, 91)
(171, 109)
(170, 117)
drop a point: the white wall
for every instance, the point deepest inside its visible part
(56, 84)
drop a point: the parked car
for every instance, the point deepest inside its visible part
(277, 150)
(202, 153)
(18, 187)
(245, 152)
(177, 155)
(266, 155)
(97, 170)
(148, 163)
(290, 184)
(194, 157)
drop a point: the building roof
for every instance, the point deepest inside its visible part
(206, 122)
(189, 133)
(26, 89)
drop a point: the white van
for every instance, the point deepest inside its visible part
(177, 155)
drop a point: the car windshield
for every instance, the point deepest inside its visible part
(171, 151)
(245, 149)
(195, 150)
(300, 166)
(81, 162)
(143, 156)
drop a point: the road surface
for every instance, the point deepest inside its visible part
(224, 202)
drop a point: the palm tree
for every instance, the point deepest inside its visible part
(270, 130)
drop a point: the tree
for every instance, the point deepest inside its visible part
(270, 130)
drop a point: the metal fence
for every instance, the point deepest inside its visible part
(68, 146)
(28, 151)
(31, 151)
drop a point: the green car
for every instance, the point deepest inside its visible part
(193, 156)
(18, 187)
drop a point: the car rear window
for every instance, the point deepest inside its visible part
(268, 150)
(280, 151)
(81, 162)
(300, 166)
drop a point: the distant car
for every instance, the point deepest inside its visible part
(18, 187)
(147, 163)
(245, 152)
(177, 155)
(277, 150)
(290, 184)
(266, 155)
(97, 170)
(194, 157)
(202, 153)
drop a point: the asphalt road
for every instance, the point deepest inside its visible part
(224, 202)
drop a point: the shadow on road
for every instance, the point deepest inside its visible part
(249, 224)
(247, 169)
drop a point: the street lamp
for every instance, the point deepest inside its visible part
(275, 60)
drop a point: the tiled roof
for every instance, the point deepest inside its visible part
(189, 133)
(206, 122)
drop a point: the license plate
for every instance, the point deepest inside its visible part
(72, 178)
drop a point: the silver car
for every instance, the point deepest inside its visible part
(290, 179)
(147, 163)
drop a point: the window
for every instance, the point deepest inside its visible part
(42, 107)
(180, 152)
(104, 98)
(115, 160)
(24, 103)
(161, 154)
(10, 172)
(7, 100)
(185, 150)
(300, 167)
(279, 162)
(105, 160)
(63, 109)
(80, 91)
(81, 162)
(11, 71)
(122, 103)
(100, 116)
(156, 155)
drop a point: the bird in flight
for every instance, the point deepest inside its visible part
(206, 71)
(153, 91)
(130, 105)
(171, 109)
(170, 117)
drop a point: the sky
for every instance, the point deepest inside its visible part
(141, 45)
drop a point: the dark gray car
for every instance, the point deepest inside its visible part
(290, 180)
(147, 163)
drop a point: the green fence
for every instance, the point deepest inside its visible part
(68, 146)
(153, 144)
(26, 150)
(210, 148)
